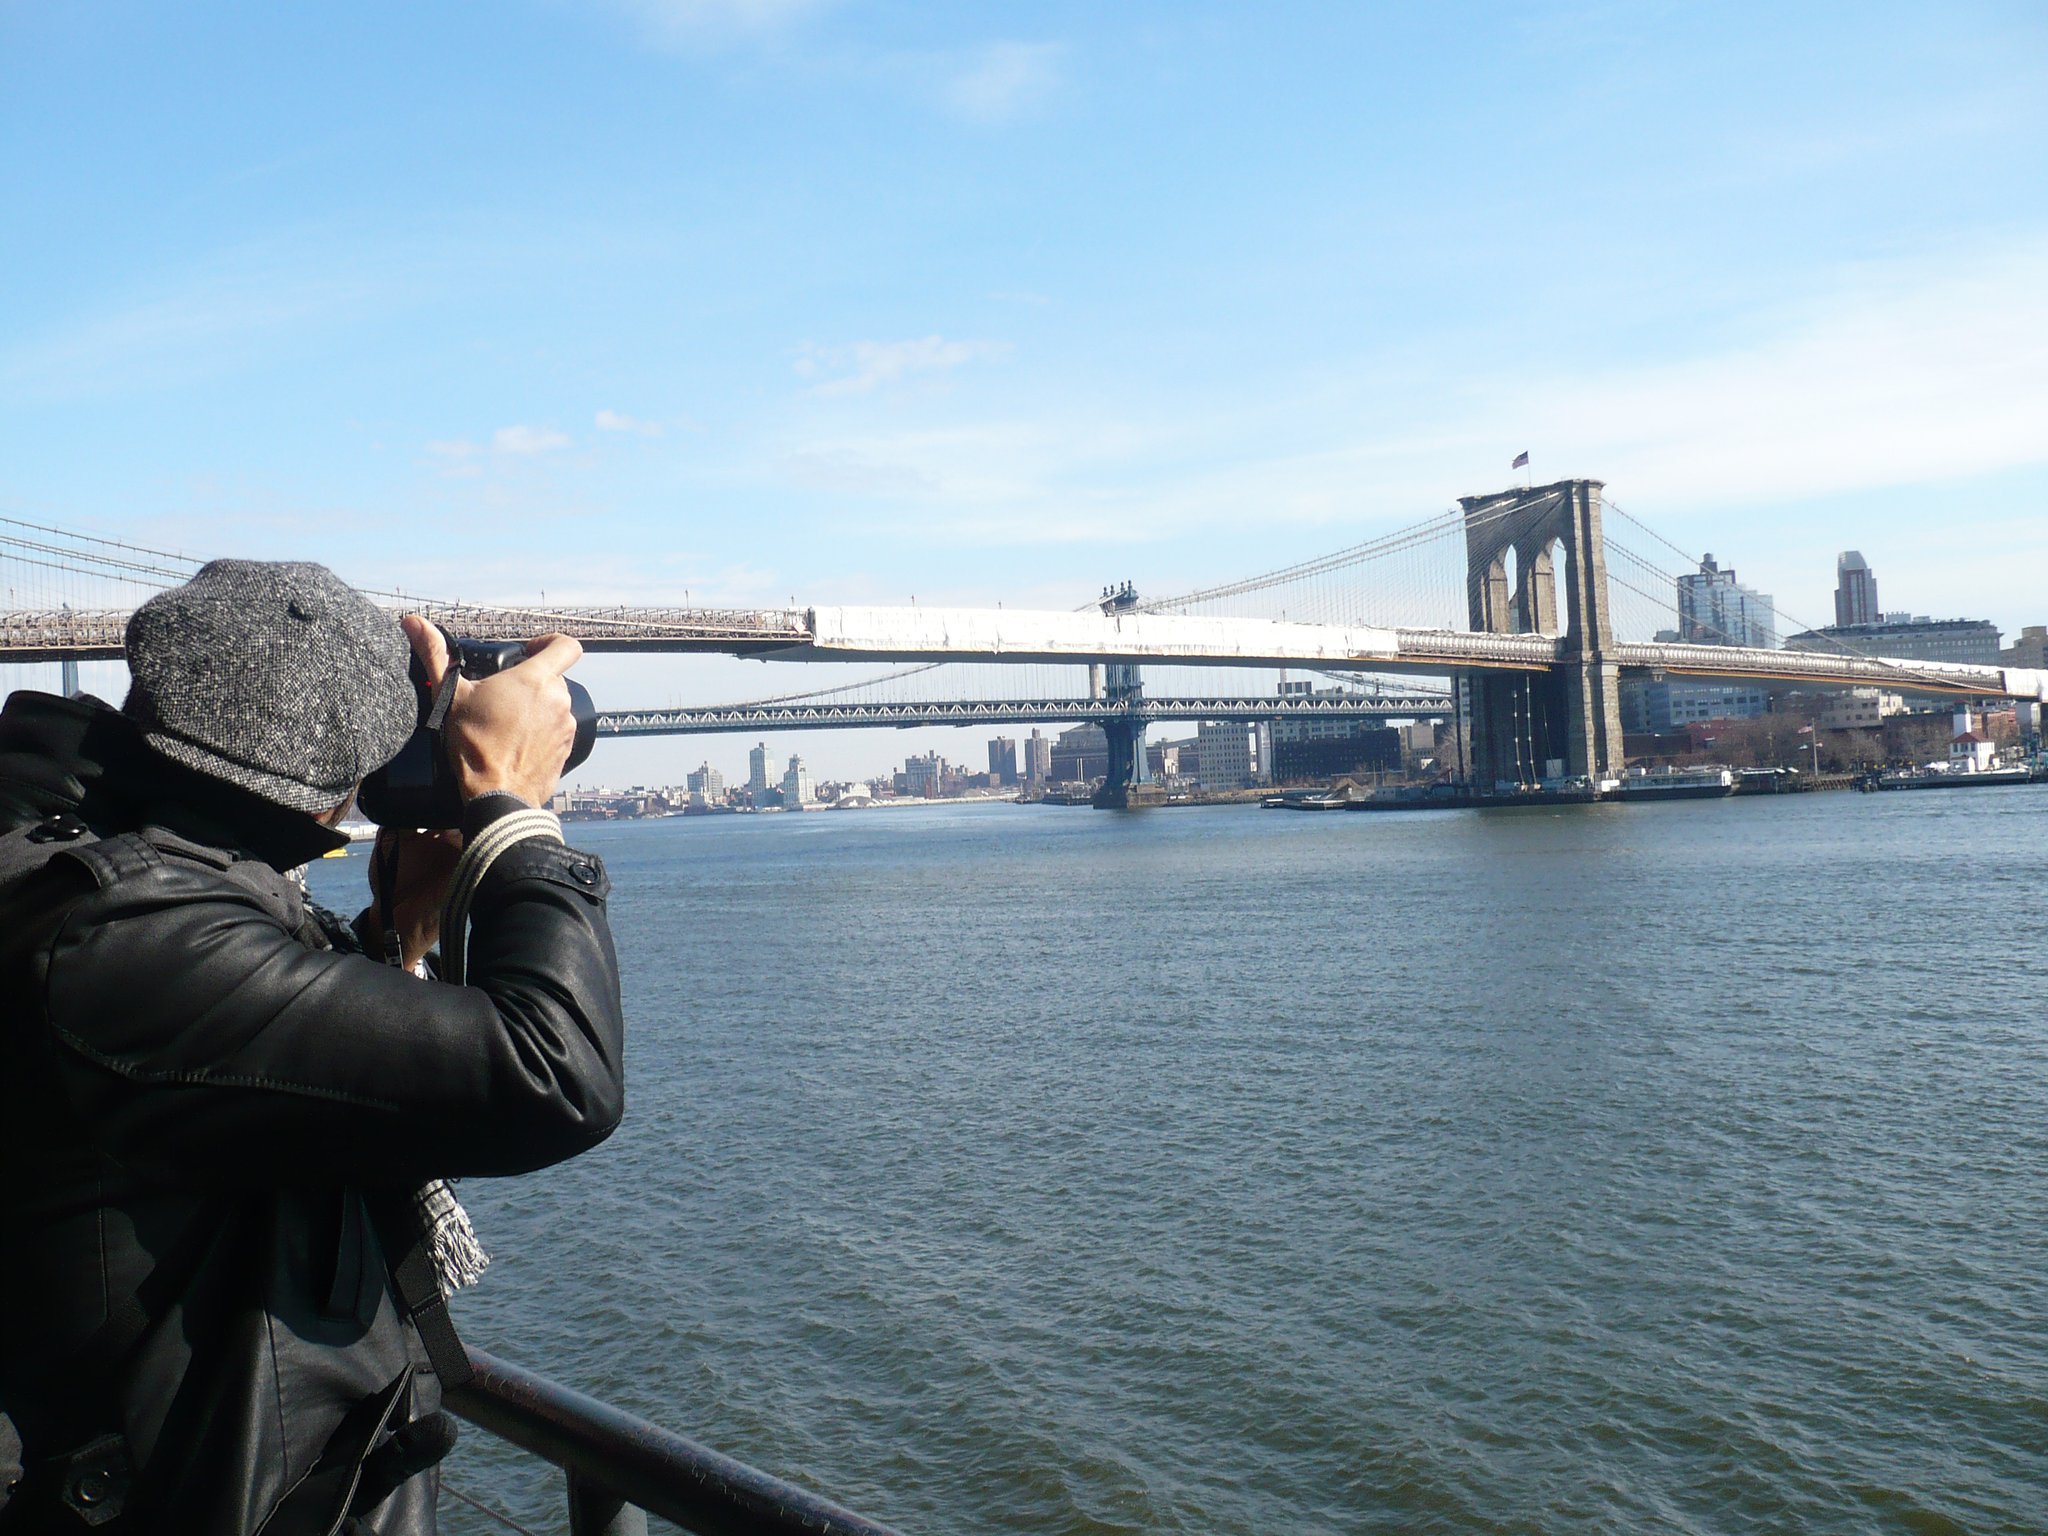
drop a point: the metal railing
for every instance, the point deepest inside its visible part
(796, 717)
(622, 1468)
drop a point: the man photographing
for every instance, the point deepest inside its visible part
(224, 1119)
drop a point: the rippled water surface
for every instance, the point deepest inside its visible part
(1647, 1169)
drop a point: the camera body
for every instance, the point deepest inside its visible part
(417, 788)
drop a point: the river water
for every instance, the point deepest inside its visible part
(1674, 1168)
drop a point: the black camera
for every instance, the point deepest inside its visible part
(417, 787)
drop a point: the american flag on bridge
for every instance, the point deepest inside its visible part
(1521, 461)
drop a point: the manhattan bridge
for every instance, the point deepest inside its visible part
(1515, 614)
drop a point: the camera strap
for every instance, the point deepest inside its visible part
(390, 949)
(386, 852)
(444, 698)
(470, 868)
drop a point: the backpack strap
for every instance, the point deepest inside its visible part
(89, 1483)
(317, 1503)
(409, 1255)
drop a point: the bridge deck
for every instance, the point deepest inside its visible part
(877, 634)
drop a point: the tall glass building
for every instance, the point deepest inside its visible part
(1716, 609)
(1855, 590)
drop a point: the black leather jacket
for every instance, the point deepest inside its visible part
(198, 1093)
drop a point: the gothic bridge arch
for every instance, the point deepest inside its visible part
(1567, 717)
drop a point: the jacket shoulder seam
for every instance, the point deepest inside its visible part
(199, 1079)
(188, 1077)
(193, 1078)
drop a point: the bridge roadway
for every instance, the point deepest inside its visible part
(878, 634)
(787, 717)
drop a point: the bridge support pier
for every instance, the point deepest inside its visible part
(1566, 720)
(1127, 778)
(1592, 702)
(1127, 782)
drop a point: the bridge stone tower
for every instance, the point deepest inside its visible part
(1122, 684)
(1567, 716)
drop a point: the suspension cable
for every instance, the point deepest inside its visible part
(1356, 554)
(88, 538)
(1399, 540)
(1791, 622)
(87, 563)
(112, 564)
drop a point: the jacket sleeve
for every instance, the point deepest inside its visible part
(194, 1032)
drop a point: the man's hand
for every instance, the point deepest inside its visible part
(426, 863)
(513, 731)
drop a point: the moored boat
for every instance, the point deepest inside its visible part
(1678, 784)
(1944, 778)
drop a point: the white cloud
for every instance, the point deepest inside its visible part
(851, 470)
(1905, 373)
(873, 364)
(1003, 79)
(527, 441)
(685, 23)
(619, 421)
(464, 459)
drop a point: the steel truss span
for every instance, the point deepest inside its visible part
(62, 634)
(1969, 679)
(799, 717)
(69, 634)
(731, 631)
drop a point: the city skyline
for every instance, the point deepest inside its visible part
(776, 763)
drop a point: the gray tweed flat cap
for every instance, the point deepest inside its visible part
(276, 676)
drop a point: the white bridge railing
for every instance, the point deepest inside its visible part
(1012, 635)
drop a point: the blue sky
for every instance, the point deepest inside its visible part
(854, 301)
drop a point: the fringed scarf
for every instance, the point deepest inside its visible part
(459, 1259)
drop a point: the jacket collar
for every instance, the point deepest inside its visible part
(82, 756)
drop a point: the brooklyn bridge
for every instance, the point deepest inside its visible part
(1517, 614)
